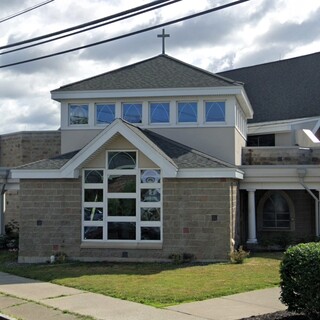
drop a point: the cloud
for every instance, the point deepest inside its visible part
(294, 32)
(250, 33)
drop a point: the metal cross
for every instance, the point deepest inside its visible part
(163, 36)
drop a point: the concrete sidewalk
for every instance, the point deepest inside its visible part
(28, 299)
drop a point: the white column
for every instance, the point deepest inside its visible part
(252, 233)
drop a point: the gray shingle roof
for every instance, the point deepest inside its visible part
(51, 163)
(286, 89)
(161, 71)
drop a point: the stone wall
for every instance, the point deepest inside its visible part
(199, 217)
(50, 218)
(19, 148)
(280, 156)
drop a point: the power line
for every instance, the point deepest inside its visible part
(93, 27)
(128, 34)
(85, 24)
(25, 11)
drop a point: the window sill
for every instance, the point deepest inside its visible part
(121, 245)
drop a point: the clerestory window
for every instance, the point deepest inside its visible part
(105, 113)
(187, 112)
(132, 112)
(78, 114)
(215, 111)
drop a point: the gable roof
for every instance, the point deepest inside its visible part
(161, 71)
(286, 89)
(171, 156)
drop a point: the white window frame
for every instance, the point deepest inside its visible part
(93, 204)
(150, 114)
(205, 111)
(95, 113)
(133, 103)
(185, 123)
(69, 115)
(114, 195)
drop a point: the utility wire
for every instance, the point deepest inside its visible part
(25, 11)
(129, 34)
(153, 3)
(93, 27)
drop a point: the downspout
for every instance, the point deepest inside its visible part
(301, 174)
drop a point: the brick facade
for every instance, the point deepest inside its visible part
(198, 218)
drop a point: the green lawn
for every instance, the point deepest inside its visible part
(154, 283)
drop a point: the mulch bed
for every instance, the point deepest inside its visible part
(280, 315)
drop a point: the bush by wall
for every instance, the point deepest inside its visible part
(300, 279)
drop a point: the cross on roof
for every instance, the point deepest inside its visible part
(163, 35)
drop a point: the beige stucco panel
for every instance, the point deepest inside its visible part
(119, 143)
(72, 140)
(240, 142)
(218, 142)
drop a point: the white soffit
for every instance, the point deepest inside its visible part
(280, 126)
(231, 173)
(279, 177)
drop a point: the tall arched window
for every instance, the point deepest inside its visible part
(276, 211)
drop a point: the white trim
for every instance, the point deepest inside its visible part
(278, 126)
(37, 174)
(279, 177)
(232, 173)
(143, 145)
(118, 243)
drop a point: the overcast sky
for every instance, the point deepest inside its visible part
(250, 33)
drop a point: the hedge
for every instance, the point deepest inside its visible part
(300, 279)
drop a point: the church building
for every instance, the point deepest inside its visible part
(161, 157)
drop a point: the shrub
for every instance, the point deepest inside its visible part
(179, 258)
(60, 257)
(300, 279)
(238, 256)
(3, 241)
